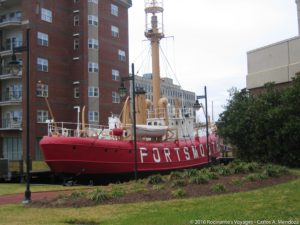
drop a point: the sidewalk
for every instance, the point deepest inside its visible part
(18, 198)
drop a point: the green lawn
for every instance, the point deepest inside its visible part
(280, 202)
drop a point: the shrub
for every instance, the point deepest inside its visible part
(190, 172)
(241, 168)
(263, 175)
(264, 127)
(225, 171)
(204, 171)
(155, 179)
(178, 183)
(77, 194)
(199, 179)
(212, 175)
(235, 162)
(253, 167)
(174, 175)
(158, 187)
(252, 177)
(218, 188)
(179, 193)
(99, 195)
(236, 181)
(238, 166)
(282, 170)
(117, 191)
(257, 176)
(215, 168)
(138, 187)
(275, 171)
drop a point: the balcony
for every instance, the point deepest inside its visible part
(11, 19)
(8, 75)
(11, 22)
(7, 49)
(11, 98)
(11, 124)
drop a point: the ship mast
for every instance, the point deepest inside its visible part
(155, 32)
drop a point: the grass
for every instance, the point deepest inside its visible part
(280, 202)
(6, 189)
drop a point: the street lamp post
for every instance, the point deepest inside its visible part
(122, 92)
(198, 106)
(16, 64)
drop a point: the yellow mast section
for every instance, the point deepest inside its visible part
(154, 33)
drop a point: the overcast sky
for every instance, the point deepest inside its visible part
(209, 39)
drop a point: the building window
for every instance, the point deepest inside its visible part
(115, 97)
(114, 31)
(12, 42)
(46, 15)
(42, 116)
(122, 55)
(42, 39)
(76, 20)
(93, 43)
(76, 43)
(115, 74)
(12, 148)
(94, 1)
(93, 20)
(93, 92)
(114, 10)
(93, 67)
(42, 64)
(93, 116)
(41, 90)
(76, 92)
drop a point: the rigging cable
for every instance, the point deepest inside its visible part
(170, 66)
(140, 56)
(144, 60)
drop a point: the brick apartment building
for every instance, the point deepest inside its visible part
(78, 52)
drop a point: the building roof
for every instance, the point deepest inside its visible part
(273, 44)
(127, 3)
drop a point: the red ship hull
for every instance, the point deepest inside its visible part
(76, 155)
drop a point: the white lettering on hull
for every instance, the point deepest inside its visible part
(192, 153)
(156, 155)
(143, 153)
(177, 151)
(186, 152)
(195, 152)
(167, 154)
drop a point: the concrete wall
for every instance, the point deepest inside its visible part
(277, 63)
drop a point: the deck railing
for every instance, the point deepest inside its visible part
(76, 130)
(170, 113)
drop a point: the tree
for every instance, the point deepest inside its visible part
(264, 127)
